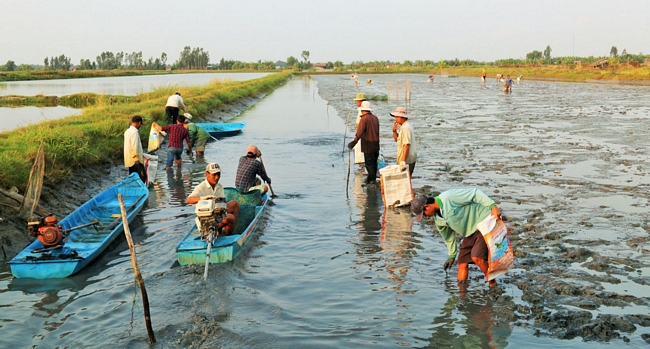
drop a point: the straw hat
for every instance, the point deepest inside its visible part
(401, 112)
(360, 97)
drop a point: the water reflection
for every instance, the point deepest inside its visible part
(397, 243)
(470, 318)
(176, 182)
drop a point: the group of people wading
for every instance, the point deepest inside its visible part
(250, 170)
(455, 211)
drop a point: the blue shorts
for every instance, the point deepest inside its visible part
(173, 153)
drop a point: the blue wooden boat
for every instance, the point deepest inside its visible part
(87, 243)
(191, 249)
(221, 130)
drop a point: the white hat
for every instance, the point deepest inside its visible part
(188, 116)
(365, 105)
(213, 168)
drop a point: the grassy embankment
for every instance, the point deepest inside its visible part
(96, 136)
(554, 72)
(27, 75)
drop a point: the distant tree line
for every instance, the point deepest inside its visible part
(197, 58)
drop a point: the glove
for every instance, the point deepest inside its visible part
(350, 145)
(449, 263)
(208, 197)
(163, 133)
(402, 166)
(269, 180)
(189, 152)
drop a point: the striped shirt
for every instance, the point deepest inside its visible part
(247, 171)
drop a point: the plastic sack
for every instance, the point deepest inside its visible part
(396, 189)
(500, 255)
(150, 165)
(381, 163)
(358, 155)
(154, 140)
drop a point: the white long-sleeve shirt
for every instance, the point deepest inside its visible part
(132, 147)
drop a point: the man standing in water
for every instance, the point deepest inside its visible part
(133, 154)
(459, 210)
(405, 138)
(174, 104)
(177, 133)
(483, 76)
(358, 155)
(198, 137)
(508, 84)
(368, 133)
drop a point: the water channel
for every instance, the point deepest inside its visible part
(331, 271)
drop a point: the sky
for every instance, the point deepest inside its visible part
(331, 30)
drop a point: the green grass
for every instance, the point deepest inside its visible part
(96, 136)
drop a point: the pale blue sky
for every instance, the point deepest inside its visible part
(331, 30)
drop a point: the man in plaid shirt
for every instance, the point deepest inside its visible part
(177, 132)
(248, 170)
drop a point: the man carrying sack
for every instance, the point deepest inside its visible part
(459, 211)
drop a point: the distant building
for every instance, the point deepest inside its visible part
(319, 66)
(168, 68)
(646, 61)
(603, 63)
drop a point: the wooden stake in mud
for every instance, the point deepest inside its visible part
(347, 181)
(346, 130)
(136, 270)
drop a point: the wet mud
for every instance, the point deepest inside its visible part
(567, 165)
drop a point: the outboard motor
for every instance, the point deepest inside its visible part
(209, 213)
(46, 230)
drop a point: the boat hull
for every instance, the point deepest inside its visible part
(192, 249)
(84, 244)
(222, 130)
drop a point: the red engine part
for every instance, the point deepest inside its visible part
(50, 235)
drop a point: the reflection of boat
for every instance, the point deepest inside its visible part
(85, 244)
(220, 130)
(192, 249)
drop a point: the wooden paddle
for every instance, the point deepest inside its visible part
(270, 187)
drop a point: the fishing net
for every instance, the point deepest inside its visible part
(253, 197)
(34, 186)
(396, 90)
(246, 215)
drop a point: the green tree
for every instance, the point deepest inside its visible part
(305, 56)
(10, 66)
(613, 52)
(47, 62)
(291, 61)
(442, 65)
(547, 52)
(535, 55)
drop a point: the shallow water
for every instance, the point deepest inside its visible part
(328, 271)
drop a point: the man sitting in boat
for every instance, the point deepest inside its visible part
(248, 170)
(212, 189)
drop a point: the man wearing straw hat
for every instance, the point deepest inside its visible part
(358, 155)
(406, 146)
(368, 134)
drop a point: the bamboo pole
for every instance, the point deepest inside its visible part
(136, 270)
(346, 130)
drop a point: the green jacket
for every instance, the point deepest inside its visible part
(460, 211)
(197, 133)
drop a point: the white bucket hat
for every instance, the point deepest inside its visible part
(365, 105)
